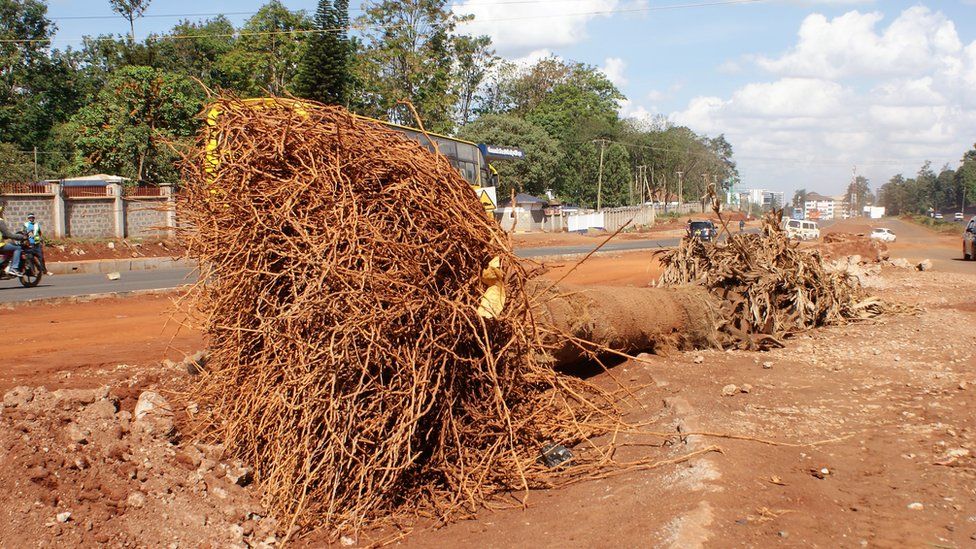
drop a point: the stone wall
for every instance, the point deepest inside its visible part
(113, 215)
(16, 208)
(90, 217)
(145, 217)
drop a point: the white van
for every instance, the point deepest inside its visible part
(801, 229)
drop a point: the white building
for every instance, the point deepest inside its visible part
(818, 206)
(767, 200)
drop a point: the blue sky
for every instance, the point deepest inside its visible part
(804, 89)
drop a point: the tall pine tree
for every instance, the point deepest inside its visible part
(323, 72)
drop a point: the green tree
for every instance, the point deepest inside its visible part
(617, 177)
(531, 174)
(15, 165)
(966, 177)
(474, 58)
(130, 10)
(323, 73)
(947, 192)
(194, 49)
(135, 120)
(24, 68)
(859, 193)
(266, 56)
(577, 175)
(799, 198)
(728, 172)
(407, 54)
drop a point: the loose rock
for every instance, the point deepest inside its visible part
(699, 359)
(154, 416)
(18, 396)
(730, 390)
(136, 499)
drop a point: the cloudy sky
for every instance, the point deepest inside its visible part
(804, 89)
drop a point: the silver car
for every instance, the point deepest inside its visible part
(969, 240)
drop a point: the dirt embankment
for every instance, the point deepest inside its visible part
(83, 250)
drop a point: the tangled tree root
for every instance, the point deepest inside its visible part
(768, 287)
(342, 277)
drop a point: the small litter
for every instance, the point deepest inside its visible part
(114, 276)
(554, 455)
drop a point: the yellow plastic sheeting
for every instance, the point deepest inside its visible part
(493, 300)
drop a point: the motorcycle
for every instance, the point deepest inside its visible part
(29, 263)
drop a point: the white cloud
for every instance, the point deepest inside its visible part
(614, 68)
(519, 28)
(851, 91)
(533, 57)
(848, 46)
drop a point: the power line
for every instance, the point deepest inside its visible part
(234, 13)
(387, 27)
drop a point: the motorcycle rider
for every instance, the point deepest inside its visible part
(13, 245)
(33, 229)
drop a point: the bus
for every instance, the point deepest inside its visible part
(466, 157)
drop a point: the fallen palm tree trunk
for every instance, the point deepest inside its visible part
(588, 321)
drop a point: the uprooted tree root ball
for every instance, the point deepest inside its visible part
(343, 267)
(768, 286)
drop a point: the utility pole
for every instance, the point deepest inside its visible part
(630, 188)
(35, 163)
(853, 196)
(599, 181)
(681, 196)
(650, 197)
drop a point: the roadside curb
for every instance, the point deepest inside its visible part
(86, 298)
(102, 266)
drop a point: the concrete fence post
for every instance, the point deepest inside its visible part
(59, 219)
(118, 210)
(166, 190)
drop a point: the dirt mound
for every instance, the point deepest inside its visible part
(840, 245)
(100, 466)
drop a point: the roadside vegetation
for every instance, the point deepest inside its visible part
(126, 106)
(940, 225)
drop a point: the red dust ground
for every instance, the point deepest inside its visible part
(855, 436)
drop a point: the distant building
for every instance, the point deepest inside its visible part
(767, 200)
(818, 206)
(525, 215)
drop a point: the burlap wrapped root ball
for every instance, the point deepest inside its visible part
(342, 272)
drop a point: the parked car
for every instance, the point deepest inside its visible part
(801, 229)
(702, 230)
(958, 216)
(883, 234)
(969, 240)
(938, 216)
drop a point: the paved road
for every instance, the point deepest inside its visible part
(916, 243)
(83, 284)
(587, 248)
